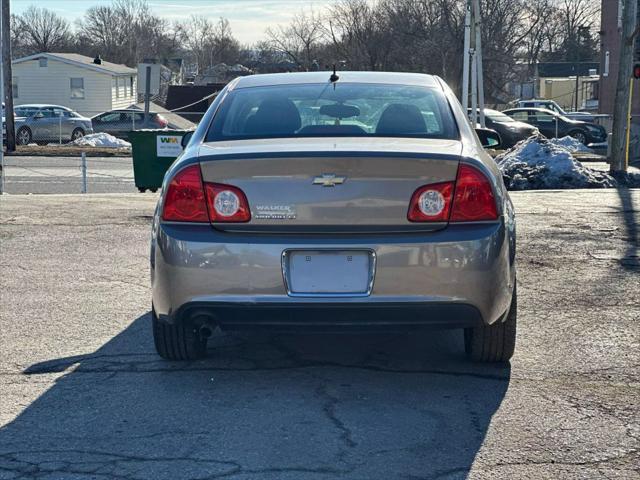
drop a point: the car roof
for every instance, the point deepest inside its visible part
(530, 109)
(41, 105)
(294, 78)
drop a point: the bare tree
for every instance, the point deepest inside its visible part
(209, 42)
(361, 32)
(41, 30)
(125, 32)
(300, 41)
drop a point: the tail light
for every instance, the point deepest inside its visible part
(227, 203)
(468, 199)
(474, 200)
(189, 199)
(431, 203)
(185, 200)
(163, 122)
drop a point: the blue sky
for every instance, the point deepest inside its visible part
(248, 18)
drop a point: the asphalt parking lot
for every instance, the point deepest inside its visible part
(84, 396)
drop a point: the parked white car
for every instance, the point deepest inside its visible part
(554, 107)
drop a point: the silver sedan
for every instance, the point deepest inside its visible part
(49, 123)
(308, 202)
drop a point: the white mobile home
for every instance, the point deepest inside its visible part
(87, 85)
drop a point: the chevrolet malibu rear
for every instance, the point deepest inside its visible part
(306, 202)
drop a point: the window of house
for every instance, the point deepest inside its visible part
(131, 86)
(77, 88)
(14, 87)
(43, 62)
(117, 81)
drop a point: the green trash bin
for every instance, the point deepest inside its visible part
(153, 153)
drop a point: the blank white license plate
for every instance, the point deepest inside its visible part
(329, 272)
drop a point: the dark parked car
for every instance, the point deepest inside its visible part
(511, 131)
(119, 122)
(553, 125)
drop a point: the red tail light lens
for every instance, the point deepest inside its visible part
(185, 200)
(431, 203)
(474, 200)
(227, 203)
(188, 199)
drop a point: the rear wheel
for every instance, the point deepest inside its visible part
(580, 136)
(77, 133)
(177, 341)
(23, 136)
(493, 343)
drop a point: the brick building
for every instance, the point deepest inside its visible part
(611, 36)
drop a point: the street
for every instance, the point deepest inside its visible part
(83, 394)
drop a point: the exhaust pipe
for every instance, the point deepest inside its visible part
(205, 331)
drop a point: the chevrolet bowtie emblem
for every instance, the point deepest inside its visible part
(328, 180)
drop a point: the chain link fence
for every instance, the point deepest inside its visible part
(57, 125)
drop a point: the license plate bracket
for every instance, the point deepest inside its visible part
(328, 273)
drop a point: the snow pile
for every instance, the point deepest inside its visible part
(537, 163)
(571, 144)
(100, 140)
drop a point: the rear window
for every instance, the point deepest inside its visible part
(343, 109)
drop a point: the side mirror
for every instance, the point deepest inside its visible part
(489, 138)
(185, 139)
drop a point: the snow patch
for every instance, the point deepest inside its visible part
(571, 144)
(100, 140)
(537, 163)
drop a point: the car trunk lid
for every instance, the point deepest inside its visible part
(328, 185)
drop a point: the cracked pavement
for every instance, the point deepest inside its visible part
(84, 396)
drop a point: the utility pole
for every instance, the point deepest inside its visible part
(147, 95)
(7, 76)
(621, 111)
(472, 64)
(2, 107)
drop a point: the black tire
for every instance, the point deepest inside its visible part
(493, 343)
(177, 341)
(153, 190)
(76, 134)
(142, 189)
(24, 136)
(579, 135)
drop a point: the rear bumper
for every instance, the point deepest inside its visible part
(331, 316)
(460, 276)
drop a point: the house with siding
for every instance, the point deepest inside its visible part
(84, 84)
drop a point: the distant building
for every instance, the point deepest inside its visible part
(191, 101)
(221, 73)
(84, 84)
(557, 81)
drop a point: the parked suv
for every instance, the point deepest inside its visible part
(552, 125)
(120, 122)
(554, 107)
(49, 123)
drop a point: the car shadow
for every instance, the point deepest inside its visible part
(261, 406)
